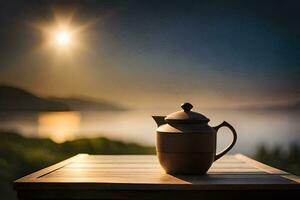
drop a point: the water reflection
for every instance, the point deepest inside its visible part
(59, 126)
(271, 128)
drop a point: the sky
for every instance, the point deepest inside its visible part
(156, 53)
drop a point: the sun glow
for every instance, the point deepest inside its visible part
(59, 126)
(63, 34)
(63, 38)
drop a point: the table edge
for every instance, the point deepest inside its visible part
(27, 181)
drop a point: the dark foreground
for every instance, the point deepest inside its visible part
(20, 156)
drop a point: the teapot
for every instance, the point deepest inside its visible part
(186, 144)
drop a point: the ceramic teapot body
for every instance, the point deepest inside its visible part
(186, 144)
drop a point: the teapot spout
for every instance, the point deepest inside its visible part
(160, 120)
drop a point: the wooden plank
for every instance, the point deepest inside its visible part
(49, 169)
(212, 179)
(260, 165)
(146, 174)
(292, 177)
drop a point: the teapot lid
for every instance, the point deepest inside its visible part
(186, 115)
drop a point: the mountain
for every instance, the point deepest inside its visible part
(16, 99)
(291, 106)
(88, 104)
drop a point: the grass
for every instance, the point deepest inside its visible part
(20, 156)
(285, 160)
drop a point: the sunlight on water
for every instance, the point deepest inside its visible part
(270, 128)
(59, 126)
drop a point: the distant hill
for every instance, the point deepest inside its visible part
(16, 99)
(280, 107)
(290, 106)
(87, 104)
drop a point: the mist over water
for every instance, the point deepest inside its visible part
(254, 128)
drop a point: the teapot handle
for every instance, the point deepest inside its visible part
(226, 124)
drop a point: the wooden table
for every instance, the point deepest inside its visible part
(141, 177)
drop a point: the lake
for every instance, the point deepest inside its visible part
(271, 128)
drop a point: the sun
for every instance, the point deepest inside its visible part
(63, 38)
(63, 35)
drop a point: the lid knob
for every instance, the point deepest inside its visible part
(187, 107)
